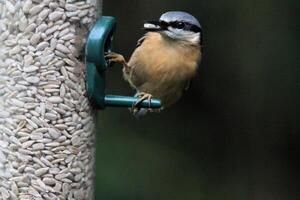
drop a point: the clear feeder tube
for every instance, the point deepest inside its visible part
(46, 123)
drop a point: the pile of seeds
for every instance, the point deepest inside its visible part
(46, 140)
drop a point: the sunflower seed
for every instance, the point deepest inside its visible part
(4, 193)
(55, 99)
(55, 15)
(32, 79)
(51, 30)
(15, 50)
(41, 28)
(62, 48)
(41, 184)
(35, 38)
(41, 171)
(10, 7)
(30, 28)
(27, 6)
(27, 144)
(36, 135)
(38, 146)
(31, 68)
(41, 46)
(28, 60)
(71, 7)
(44, 160)
(50, 116)
(36, 9)
(42, 15)
(46, 59)
(17, 102)
(23, 42)
(53, 144)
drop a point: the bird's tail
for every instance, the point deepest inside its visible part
(139, 113)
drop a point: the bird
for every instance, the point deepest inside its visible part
(165, 59)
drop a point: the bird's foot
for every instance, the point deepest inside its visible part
(117, 58)
(142, 96)
(137, 111)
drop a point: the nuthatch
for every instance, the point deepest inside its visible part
(166, 58)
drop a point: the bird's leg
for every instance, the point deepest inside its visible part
(142, 96)
(118, 58)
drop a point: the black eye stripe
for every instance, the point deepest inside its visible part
(181, 25)
(163, 24)
(195, 29)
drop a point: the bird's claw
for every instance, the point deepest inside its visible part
(136, 108)
(114, 57)
(117, 58)
(142, 96)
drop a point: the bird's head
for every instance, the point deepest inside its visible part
(177, 25)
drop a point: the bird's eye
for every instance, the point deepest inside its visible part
(180, 25)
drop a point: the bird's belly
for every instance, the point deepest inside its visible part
(161, 70)
(160, 79)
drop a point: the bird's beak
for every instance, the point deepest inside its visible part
(152, 26)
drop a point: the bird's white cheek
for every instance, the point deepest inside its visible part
(188, 36)
(194, 38)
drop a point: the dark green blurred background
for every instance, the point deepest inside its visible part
(235, 133)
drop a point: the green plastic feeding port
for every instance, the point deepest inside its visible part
(98, 43)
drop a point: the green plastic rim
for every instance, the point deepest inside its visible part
(99, 42)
